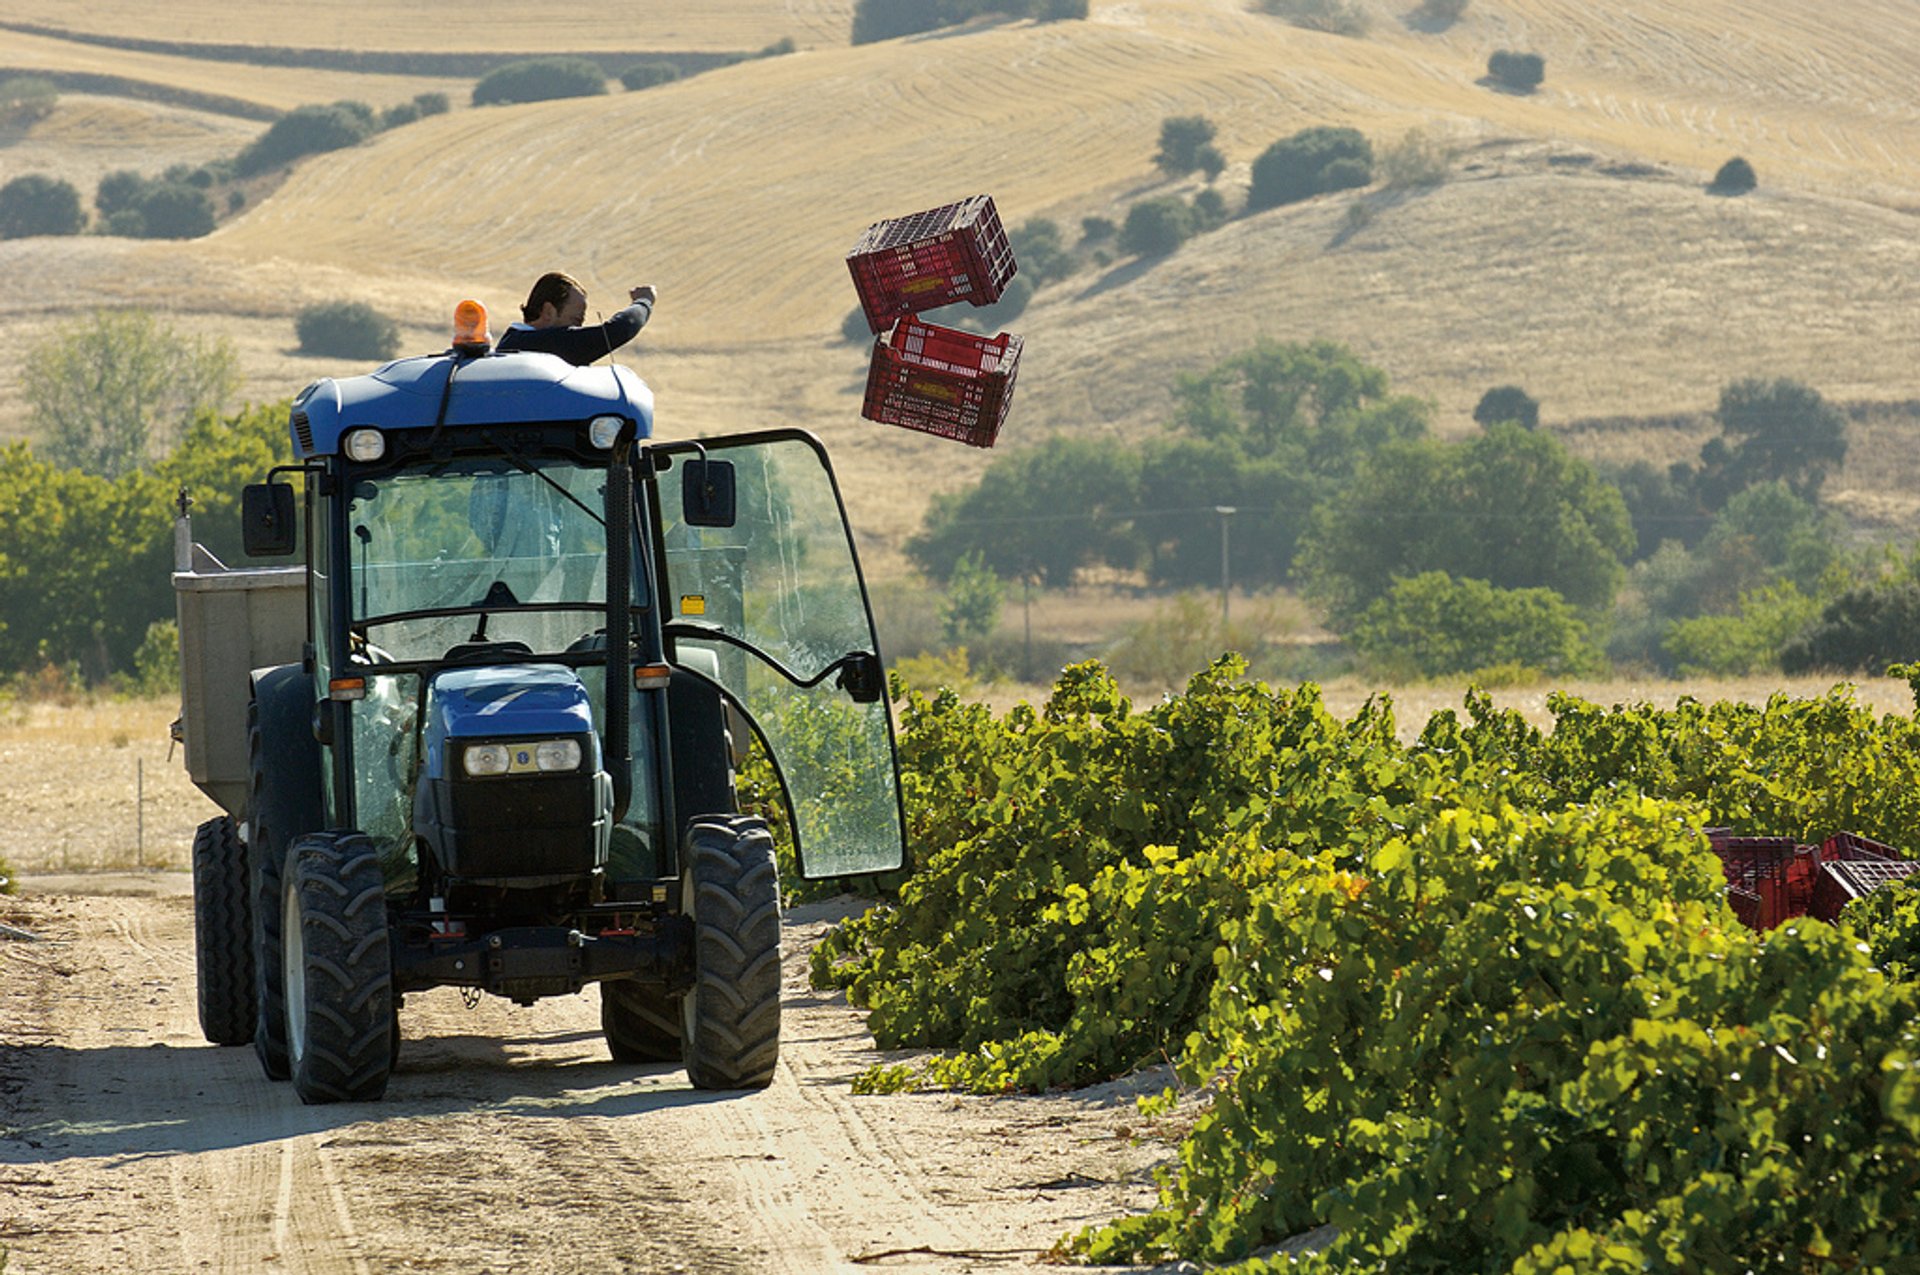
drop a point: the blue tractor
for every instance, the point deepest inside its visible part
(486, 736)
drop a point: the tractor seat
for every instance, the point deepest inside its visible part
(482, 652)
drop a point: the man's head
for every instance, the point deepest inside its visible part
(557, 301)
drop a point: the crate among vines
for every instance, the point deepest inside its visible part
(942, 382)
(908, 265)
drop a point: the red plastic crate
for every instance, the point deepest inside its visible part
(939, 381)
(1841, 881)
(1779, 870)
(1851, 845)
(906, 265)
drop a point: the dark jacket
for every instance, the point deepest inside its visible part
(578, 346)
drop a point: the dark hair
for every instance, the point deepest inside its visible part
(550, 289)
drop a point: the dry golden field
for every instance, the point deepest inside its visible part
(1573, 252)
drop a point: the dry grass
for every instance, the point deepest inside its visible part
(1545, 262)
(72, 775)
(477, 25)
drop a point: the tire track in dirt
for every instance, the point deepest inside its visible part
(507, 1141)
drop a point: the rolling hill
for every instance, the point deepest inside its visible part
(1574, 251)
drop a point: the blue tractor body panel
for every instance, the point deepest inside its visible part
(517, 701)
(496, 389)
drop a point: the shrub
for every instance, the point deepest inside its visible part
(26, 98)
(1432, 625)
(40, 205)
(347, 330)
(1212, 162)
(1340, 17)
(1058, 10)
(156, 662)
(1417, 159)
(1309, 163)
(1096, 229)
(1736, 177)
(236, 200)
(986, 318)
(1744, 643)
(1441, 11)
(854, 329)
(1155, 227)
(175, 210)
(125, 223)
(303, 131)
(645, 75)
(1522, 71)
(399, 114)
(539, 80)
(432, 103)
(1041, 251)
(1209, 211)
(1865, 629)
(122, 189)
(779, 48)
(1181, 137)
(886, 19)
(1507, 403)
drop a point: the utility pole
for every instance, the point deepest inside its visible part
(1226, 512)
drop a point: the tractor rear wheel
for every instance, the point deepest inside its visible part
(730, 1018)
(641, 1022)
(283, 801)
(223, 933)
(339, 969)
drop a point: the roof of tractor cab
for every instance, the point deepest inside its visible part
(495, 389)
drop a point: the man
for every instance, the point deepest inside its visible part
(553, 314)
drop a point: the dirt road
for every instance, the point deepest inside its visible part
(507, 1141)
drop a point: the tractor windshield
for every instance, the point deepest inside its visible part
(494, 552)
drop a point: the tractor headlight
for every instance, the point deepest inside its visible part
(557, 755)
(541, 756)
(487, 759)
(365, 445)
(604, 431)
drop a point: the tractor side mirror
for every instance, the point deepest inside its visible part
(267, 523)
(706, 492)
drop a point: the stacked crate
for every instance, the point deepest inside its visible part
(1774, 879)
(937, 380)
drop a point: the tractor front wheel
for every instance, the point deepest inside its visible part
(730, 1018)
(339, 969)
(223, 933)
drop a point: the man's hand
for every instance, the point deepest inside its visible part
(642, 293)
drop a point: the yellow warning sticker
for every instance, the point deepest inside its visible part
(693, 604)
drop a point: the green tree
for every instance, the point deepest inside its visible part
(119, 191)
(1311, 162)
(1048, 513)
(1041, 251)
(1507, 403)
(346, 330)
(1778, 430)
(971, 611)
(1184, 482)
(646, 75)
(83, 564)
(539, 80)
(108, 392)
(1735, 177)
(1181, 138)
(175, 210)
(303, 131)
(1156, 227)
(1432, 625)
(1521, 71)
(1511, 508)
(1747, 641)
(39, 205)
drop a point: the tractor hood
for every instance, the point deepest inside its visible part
(507, 702)
(458, 393)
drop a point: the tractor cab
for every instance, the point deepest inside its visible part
(535, 643)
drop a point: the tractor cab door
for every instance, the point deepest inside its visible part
(761, 573)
